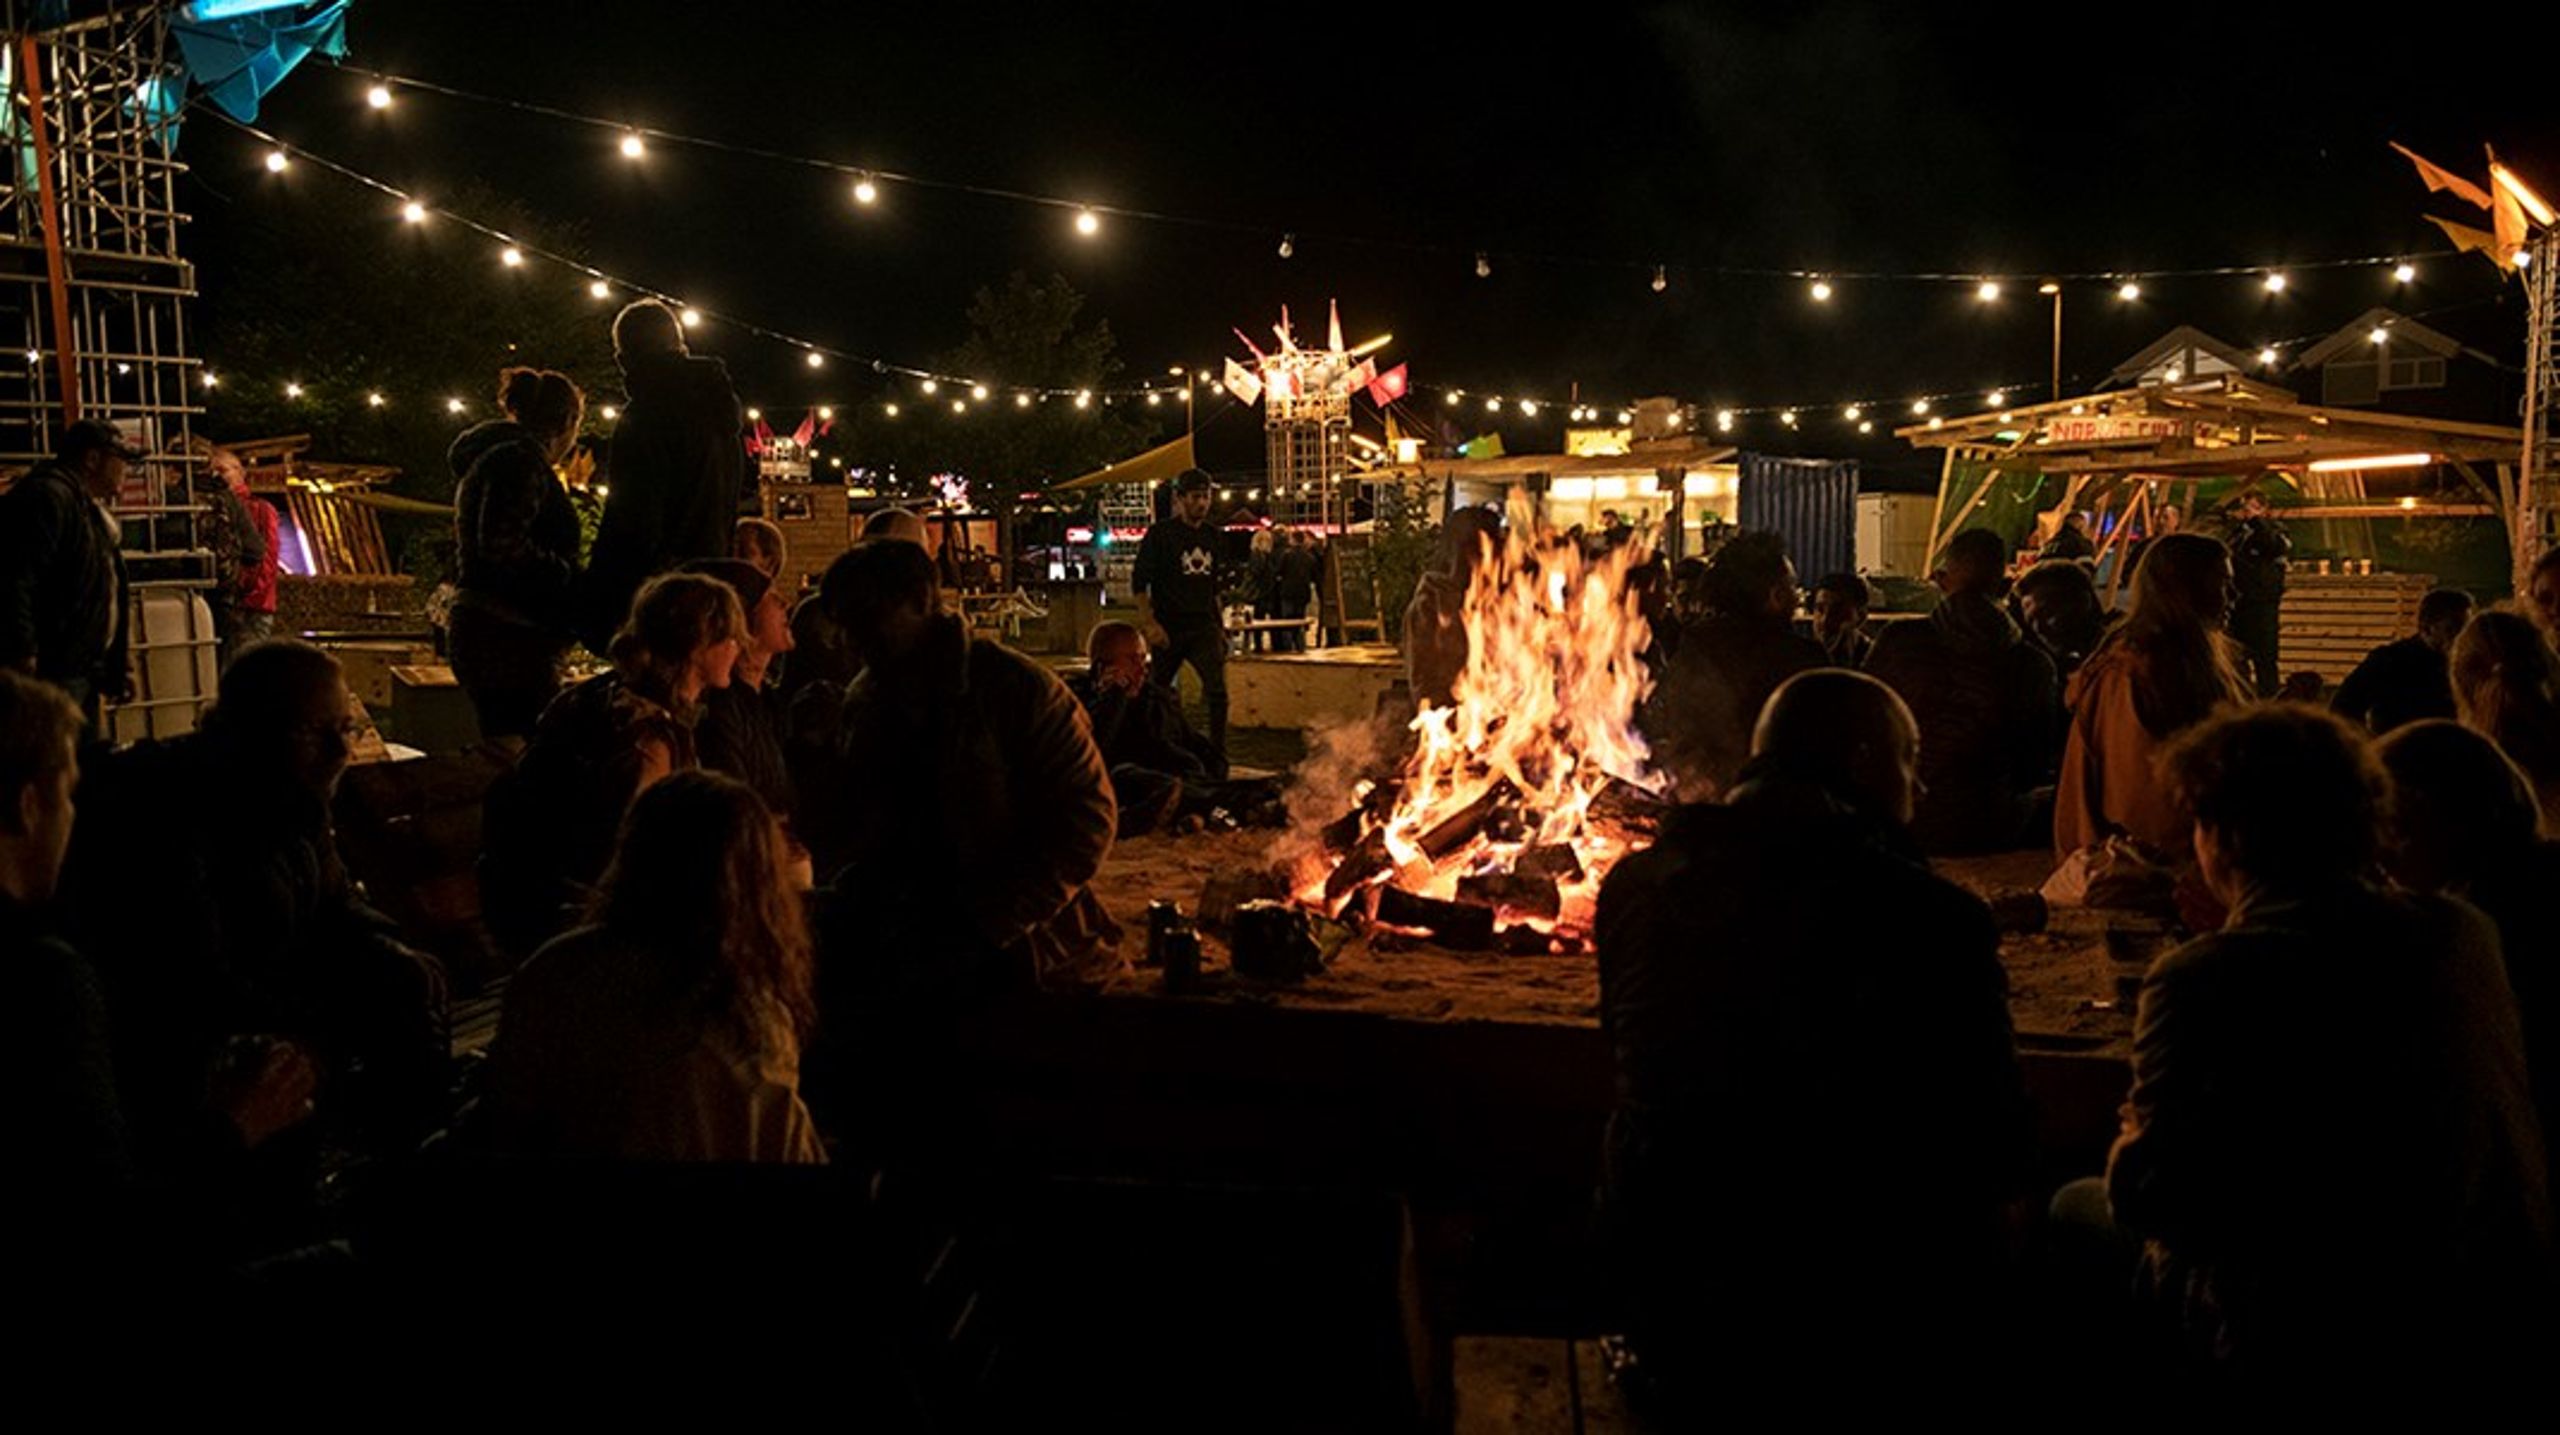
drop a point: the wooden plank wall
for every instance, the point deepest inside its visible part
(2332, 620)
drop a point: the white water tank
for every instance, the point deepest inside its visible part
(175, 666)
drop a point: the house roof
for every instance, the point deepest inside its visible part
(2176, 344)
(2405, 331)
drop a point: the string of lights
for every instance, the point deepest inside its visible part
(870, 184)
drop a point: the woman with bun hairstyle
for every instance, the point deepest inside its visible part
(516, 551)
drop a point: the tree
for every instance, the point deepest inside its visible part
(1027, 335)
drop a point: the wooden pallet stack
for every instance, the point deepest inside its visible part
(2331, 620)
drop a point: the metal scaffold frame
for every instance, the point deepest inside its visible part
(94, 292)
(2537, 526)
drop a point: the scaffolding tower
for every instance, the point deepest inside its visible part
(94, 297)
(2537, 527)
(1307, 447)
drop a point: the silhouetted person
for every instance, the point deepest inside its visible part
(677, 466)
(207, 887)
(2162, 670)
(2070, 540)
(2329, 1148)
(759, 541)
(972, 807)
(1159, 765)
(1435, 622)
(1820, 1123)
(239, 548)
(1840, 604)
(2259, 546)
(515, 552)
(62, 592)
(1727, 664)
(741, 730)
(1294, 573)
(2408, 680)
(2506, 683)
(2542, 593)
(668, 1027)
(2057, 602)
(2462, 823)
(1175, 578)
(551, 822)
(1984, 698)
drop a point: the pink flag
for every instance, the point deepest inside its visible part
(808, 428)
(1362, 375)
(1389, 387)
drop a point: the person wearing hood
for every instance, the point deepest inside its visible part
(1984, 697)
(677, 466)
(1820, 1128)
(515, 551)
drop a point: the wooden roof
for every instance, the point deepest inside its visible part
(2183, 340)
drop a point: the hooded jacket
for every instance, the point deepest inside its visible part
(1984, 698)
(61, 581)
(515, 533)
(675, 472)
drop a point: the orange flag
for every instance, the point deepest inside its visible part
(2438, 177)
(2480, 241)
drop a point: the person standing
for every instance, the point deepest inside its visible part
(1298, 564)
(253, 605)
(675, 472)
(2070, 540)
(516, 551)
(1176, 582)
(62, 590)
(226, 531)
(2259, 546)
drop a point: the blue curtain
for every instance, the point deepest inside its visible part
(1811, 503)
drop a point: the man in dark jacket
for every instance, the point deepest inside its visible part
(205, 883)
(2259, 546)
(1175, 578)
(515, 571)
(2409, 680)
(1159, 765)
(62, 595)
(972, 807)
(2329, 1147)
(1726, 665)
(1984, 697)
(1820, 1125)
(675, 472)
(2071, 540)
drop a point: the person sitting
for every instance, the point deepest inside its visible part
(1725, 666)
(2408, 680)
(2328, 1149)
(2506, 684)
(2542, 594)
(820, 657)
(1435, 622)
(2164, 669)
(759, 541)
(1840, 604)
(2462, 823)
(551, 821)
(741, 728)
(1798, 1008)
(1984, 697)
(515, 552)
(972, 807)
(2057, 602)
(669, 1027)
(204, 882)
(1160, 766)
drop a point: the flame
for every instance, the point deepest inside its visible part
(1541, 722)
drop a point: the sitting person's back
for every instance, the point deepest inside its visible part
(669, 1029)
(2408, 680)
(2328, 1144)
(1819, 1115)
(1983, 696)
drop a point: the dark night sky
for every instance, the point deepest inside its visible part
(1839, 136)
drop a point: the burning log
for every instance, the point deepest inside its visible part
(1514, 894)
(1460, 926)
(1559, 863)
(1630, 807)
(1365, 864)
(1464, 825)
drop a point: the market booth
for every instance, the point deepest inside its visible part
(2382, 507)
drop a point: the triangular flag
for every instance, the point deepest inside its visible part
(2440, 178)
(1333, 326)
(1362, 375)
(1482, 446)
(2506, 216)
(807, 430)
(1242, 382)
(1389, 387)
(2465, 237)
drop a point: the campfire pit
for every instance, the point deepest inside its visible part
(1512, 802)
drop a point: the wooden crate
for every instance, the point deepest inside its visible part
(2332, 620)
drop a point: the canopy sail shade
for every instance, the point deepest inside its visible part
(1156, 465)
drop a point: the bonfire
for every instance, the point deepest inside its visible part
(1516, 799)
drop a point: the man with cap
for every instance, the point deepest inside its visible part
(741, 728)
(62, 608)
(1176, 582)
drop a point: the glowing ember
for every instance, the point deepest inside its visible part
(1517, 799)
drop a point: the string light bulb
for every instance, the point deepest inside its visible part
(1920, 406)
(1821, 291)
(600, 290)
(1154, 399)
(2276, 282)
(1997, 398)
(1450, 398)
(959, 406)
(276, 161)
(2522, 258)
(890, 409)
(633, 147)
(1084, 400)
(1661, 280)
(2267, 356)
(1088, 223)
(2404, 272)
(1528, 408)
(210, 381)
(2378, 334)
(453, 406)
(754, 415)
(414, 212)
(1850, 413)
(930, 387)
(816, 360)
(1493, 406)
(865, 192)
(1288, 246)
(1626, 416)
(1788, 418)
(1867, 427)
(1022, 401)
(379, 97)
(826, 413)
(611, 413)
(978, 392)
(2128, 291)
(1724, 420)
(1987, 291)
(511, 257)
(293, 391)
(1484, 265)
(2048, 288)
(691, 318)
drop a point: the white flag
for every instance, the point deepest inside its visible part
(1243, 382)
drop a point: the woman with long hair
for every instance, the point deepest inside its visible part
(2161, 671)
(515, 551)
(669, 1028)
(2506, 687)
(551, 822)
